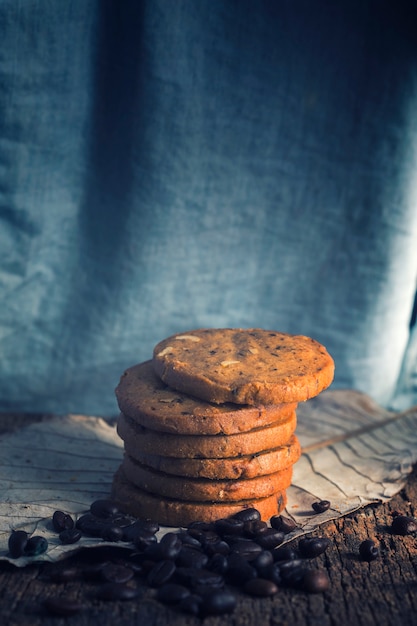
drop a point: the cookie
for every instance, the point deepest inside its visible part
(178, 513)
(204, 489)
(141, 439)
(244, 366)
(144, 397)
(245, 467)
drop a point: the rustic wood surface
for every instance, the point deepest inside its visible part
(382, 592)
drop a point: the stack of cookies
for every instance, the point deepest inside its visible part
(208, 424)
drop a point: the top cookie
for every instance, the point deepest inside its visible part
(244, 366)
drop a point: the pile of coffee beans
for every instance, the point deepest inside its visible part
(197, 570)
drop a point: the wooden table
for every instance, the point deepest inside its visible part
(382, 592)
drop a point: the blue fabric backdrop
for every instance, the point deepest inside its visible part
(173, 164)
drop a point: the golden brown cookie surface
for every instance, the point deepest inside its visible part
(177, 513)
(141, 439)
(144, 397)
(249, 466)
(203, 489)
(244, 366)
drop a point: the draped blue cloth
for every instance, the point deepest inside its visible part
(174, 164)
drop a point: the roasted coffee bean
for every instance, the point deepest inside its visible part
(311, 547)
(197, 527)
(70, 535)
(272, 572)
(170, 545)
(104, 508)
(269, 538)
(247, 515)
(403, 525)
(191, 604)
(209, 537)
(190, 557)
(284, 553)
(217, 547)
(229, 526)
(142, 539)
(315, 581)
(254, 527)
(62, 574)
(218, 603)
(188, 540)
(321, 507)
(291, 572)
(262, 561)
(65, 607)
(368, 550)
(246, 548)
(90, 525)
(112, 533)
(117, 591)
(218, 563)
(260, 587)
(161, 573)
(205, 581)
(36, 545)
(116, 573)
(239, 571)
(283, 524)
(172, 593)
(62, 521)
(17, 543)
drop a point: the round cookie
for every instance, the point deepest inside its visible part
(177, 513)
(138, 438)
(244, 467)
(144, 397)
(203, 489)
(244, 366)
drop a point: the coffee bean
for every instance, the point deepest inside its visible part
(239, 571)
(172, 593)
(246, 548)
(262, 561)
(191, 604)
(315, 581)
(272, 572)
(291, 572)
(188, 540)
(69, 536)
(112, 533)
(170, 545)
(284, 553)
(90, 525)
(17, 543)
(190, 557)
(247, 515)
(270, 538)
(283, 524)
(104, 508)
(217, 547)
(403, 525)
(62, 521)
(117, 591)
(36, 545)
(229, 526)
(254, 527)
(161, 573)
(311, 547)
(260, 587)
(142, 539)
(65, 607)
(321, 507)
(218, 563)
(218, 603)
(205, 581)
(368, 550)
(114, 572)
